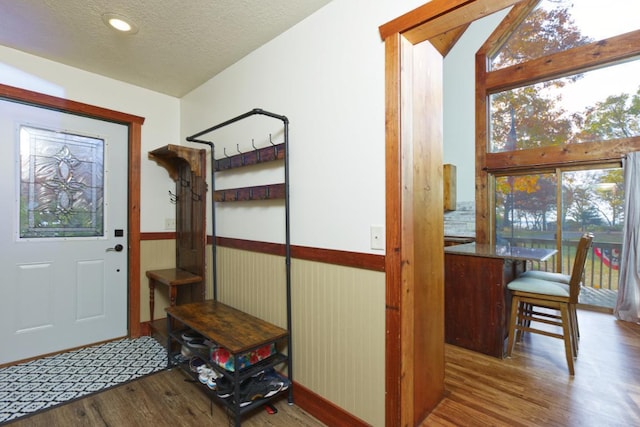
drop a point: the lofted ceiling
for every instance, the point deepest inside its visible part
(179, 44)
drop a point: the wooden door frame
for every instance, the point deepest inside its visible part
(414, 270)
(134, 123)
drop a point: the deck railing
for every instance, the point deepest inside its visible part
(601, 268)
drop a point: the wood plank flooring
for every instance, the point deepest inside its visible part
(533, 388)
(164, 399)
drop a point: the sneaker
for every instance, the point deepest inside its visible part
(179, 358)
(186, 352)
(274, 377)
(224, 387)
(258, 387)
(190, 335)
(195, 363)
(213, 380)
(198, 343)
(204, 373)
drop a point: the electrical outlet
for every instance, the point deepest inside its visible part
(169, 223)
(377, 237)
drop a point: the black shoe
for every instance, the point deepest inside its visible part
(258, 387)
(276, 378)
(224, 387)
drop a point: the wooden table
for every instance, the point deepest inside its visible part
(171, 277)
(477, 301)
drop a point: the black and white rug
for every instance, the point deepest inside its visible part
(43, 383)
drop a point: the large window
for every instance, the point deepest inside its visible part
(557, 25)
(560, 91)
(602, 104)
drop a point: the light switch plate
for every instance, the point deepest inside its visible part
(377, 237)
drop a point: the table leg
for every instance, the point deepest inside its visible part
(173, 295)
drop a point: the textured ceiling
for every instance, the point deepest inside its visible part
(179, 45)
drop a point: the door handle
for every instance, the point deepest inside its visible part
(116, 248)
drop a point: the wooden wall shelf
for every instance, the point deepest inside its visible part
(258, 192)
(172, 157)
(259, 155)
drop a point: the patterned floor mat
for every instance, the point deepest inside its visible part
(43, 383)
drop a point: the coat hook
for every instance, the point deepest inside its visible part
(274, 145)
(224, 150)
(240, 152)
(173, 198)
(255, 149)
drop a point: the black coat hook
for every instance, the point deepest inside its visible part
(255, 149)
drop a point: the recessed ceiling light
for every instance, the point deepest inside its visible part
(120, 23)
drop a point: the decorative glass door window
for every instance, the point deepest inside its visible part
(61, 184)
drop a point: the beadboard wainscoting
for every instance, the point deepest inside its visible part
(339, 336)
(338, 323)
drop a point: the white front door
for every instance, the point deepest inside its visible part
(63, 231)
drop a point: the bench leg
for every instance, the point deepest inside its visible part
(152, 291)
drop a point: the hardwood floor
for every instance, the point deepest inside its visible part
(164, 399)
(533, 388)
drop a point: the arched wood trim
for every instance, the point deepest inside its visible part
(135, 133)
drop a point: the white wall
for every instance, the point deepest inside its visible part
(459, 103)
(327, 76)
(161, 113)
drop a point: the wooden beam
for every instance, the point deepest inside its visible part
(564, 63)
(393, 370)
(445, 41)
(462, 15)
(419, 16)
(439, 16)
(564, 155)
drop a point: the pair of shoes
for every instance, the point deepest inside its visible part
(261, 386)
(208, 376)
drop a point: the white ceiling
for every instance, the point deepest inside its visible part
(180, 43)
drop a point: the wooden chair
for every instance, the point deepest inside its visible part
(532, 297)
(553, 277)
